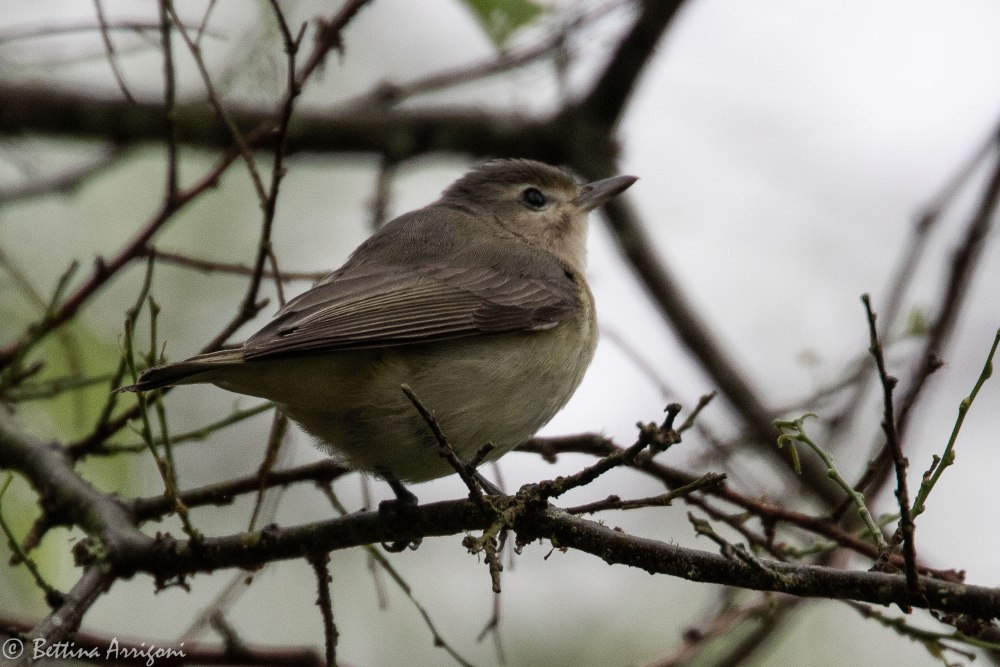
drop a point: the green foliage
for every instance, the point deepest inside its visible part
(500, 19)
(918, 322)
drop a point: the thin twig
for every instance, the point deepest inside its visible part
(64, 182)
(328, 38)
(209, 266)
(276, 441)
(932, 476)
(213, 98)
(34, 32)
(895, 447)
(657, 438)
(377, 558)
(390, 93)
(223, 493)
(109, 48)
(446, 451)
(169, 100)
(321, 566)
(964, 261)
(53, 597)
(663, 500)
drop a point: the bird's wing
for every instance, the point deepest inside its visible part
(386, 305)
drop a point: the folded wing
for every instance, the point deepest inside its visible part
(369, 306)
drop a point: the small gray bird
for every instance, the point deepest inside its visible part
(478, 302)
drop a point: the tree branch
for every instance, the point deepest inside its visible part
(610, 95)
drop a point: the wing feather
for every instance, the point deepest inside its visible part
(401, 288)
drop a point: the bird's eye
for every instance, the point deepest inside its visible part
(534, 198)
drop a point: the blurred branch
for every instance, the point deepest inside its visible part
(109, 48)
(401, 133)
(193, 652)
(390, 93)
(964, 262)
(208, 266)
(104, 270)
(609, 97)
(65, 28)
(65, 182)
(925, 223)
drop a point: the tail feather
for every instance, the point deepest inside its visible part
(184, 372)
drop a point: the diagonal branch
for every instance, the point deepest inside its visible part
(964, 262)
(610, 95)
(65, 495)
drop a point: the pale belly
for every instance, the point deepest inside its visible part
(485, 389)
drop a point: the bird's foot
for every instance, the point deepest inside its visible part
(403, 505)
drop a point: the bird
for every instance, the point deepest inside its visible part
(477, 304)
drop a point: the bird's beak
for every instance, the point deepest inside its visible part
(594, 194)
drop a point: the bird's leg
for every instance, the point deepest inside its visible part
(489, 487)
(403, 495)
(404, 502)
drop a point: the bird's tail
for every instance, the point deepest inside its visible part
(190, 371)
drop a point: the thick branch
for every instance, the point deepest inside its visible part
(801, 580)
(33, 110)
(170, 558)
(65, 495)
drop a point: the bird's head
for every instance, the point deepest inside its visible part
(536, 202)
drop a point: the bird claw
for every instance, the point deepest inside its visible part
(402, 545)
(403, 505)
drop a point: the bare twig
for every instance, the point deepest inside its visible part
(657, 438)
(378, 559)
(109, 48)
(237, 136)
(68, 28)
(388, 93)
(209, 266)
(964, 261)
(328, 37)
(663, 500)
(321, 566)
(53, 597)
(64, 182)
(223, 493)
(948, 457)
(169, 100)
(896, 448)
(276, 441)
(445, 450)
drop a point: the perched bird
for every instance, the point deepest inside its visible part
(477, 302)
